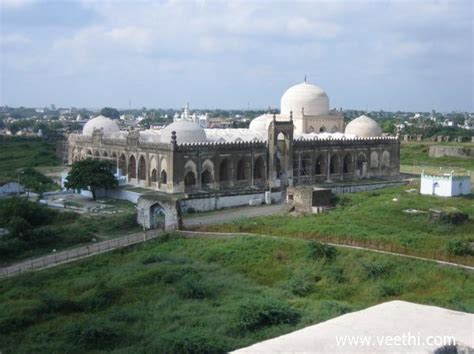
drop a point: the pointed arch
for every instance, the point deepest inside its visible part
(242, 170)
(224, 170)
(259, 168)
(206, 178)
(122, 165)
(334, 166)
(141, 168)
(190, 179)
(347, 166)
(374, 159)
(320, 165)
(385, 159)
(153, 175)
(163, 177)
(132, 167)
(322, 129)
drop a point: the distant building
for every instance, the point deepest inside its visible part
(445, 185)
(10, 188)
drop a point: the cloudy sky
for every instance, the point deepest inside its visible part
(397, 55)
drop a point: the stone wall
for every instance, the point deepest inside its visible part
(365, 187)
(451, 151)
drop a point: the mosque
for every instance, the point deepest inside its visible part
(307, 143)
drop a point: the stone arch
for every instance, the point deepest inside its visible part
(132, 167)
(374, 159)
(385, 161)
(224, 170)
(163, 177)
(334, 166)
(322, 129)
(206, 178)
(156, 213)
(320, 165)
(104, 154)
(96, 153)
(153, 175)
(190, 179)
(88, 153)
(242, 169)
(347, 166)
(334, 129)
(306, 165)
(259, 168)
(141, 168)
(122, 165)
(190, 165)
(207, 173)
(361, 161)
(311, 129)
(281, 136)
(277, 166)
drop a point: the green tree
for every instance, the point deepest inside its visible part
(110, 113)
(91, 174)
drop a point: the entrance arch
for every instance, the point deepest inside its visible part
(152, 212)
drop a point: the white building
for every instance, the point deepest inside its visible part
(445, 185)
(10, 188)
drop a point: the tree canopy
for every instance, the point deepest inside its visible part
(111, 113)
(91, 174)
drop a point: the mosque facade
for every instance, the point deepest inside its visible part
(307, 143)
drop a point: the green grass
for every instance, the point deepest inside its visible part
(208, 295)
(21, 152)
(419, 152)
(373, 217)
(65, 230)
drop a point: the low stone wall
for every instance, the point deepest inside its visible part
(365, 187)
(117, 193)
(210, 202)
(451, 151)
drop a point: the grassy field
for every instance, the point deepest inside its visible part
(18, 153)
(61, 230)
(417, 152)
(178, 295)
(374, 217)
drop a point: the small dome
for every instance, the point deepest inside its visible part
(261, 123)
(186, 132)
(363, 127)
(106, 124)
(310, 97)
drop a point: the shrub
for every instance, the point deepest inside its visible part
(193, 340)
(102, 297)
(258, 313)
(53, 303)
(459, 248)
(154, 258)
(376, 269)
(96, 334)
(387, 290)
(336, 274)
(318, 250)
(193, 287)
(300, 284)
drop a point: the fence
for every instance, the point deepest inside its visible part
(386, 246)
(76, 254)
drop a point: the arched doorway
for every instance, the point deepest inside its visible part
(347, 165)
(242, 173)
(132, 167)
(163, 177)
(320, 166)
(361, 165)
(334, 167)
(224, 171)
(122, 165)
(189, 180)
(154, 175)
(259, 168)
(141, 169)
(436, 188)
(206, 179)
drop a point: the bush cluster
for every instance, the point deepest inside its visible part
(258, 313)
(318, 251)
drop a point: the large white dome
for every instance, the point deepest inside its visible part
(186, 132)
(363, 127)
(305, 96)
(106, 124)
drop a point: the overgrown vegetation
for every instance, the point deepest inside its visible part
(378, 219)
(208, 295)
(20, 152)
(35, 229)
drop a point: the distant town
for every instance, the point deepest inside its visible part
(57, 122)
